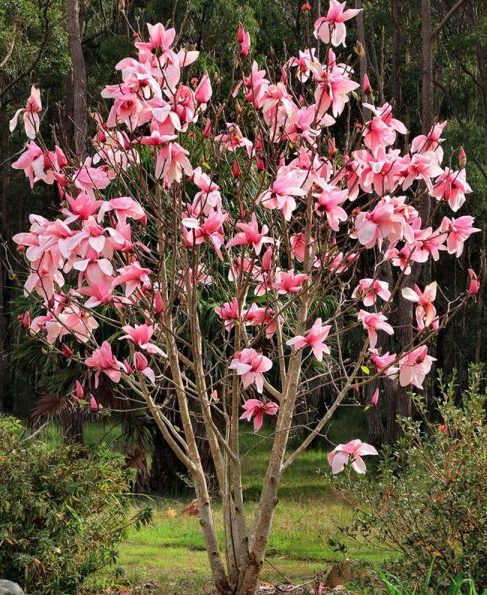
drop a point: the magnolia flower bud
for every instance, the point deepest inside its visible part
(462, 158)
(67, 351)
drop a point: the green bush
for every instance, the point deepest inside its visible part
(63, 511)
(430, 501)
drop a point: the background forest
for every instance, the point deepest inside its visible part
(428, 58)
(41, 42)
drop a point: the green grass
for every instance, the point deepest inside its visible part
(171, 550)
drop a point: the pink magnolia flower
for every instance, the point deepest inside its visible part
(369, 289)
(458, 230)
(203, 91)
(211, 228)
(289, 282)
(334, 87)
(328, 203)
(383, 363)
(243, 38)
(257, 316)
(256, 409)
(32, 162)
(332, 28)
(379, 170)
(414, 367)
(474, 284)
(159, 39)
(172, 162)
(306, 63)
(103, 360)
(82, 207)
(132, 276)
(314, 338)
(250, 235)
(421, 166)
(229, 313)
(430, 142)
(251, 365)
(141, 335)
(30, 114)
(372, 323)
(89, 178)
(381, 130)
(354, 450)
(281, 195)
(452, 187)
(425, 311)
(124, 208)
(234, 139)
(142, 365)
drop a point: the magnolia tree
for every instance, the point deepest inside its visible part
(211, 256)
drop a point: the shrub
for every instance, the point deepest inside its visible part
(63, 510)
(431, 499)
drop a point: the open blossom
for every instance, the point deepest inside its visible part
(283, 191)
(425, 311)
(328, 203)
(132, 276)
(210, 228)
(458, 230)
(141, 335)
(430, 142)
(354, 451)
(452, 186)
(30, 114)
(249, 235)
(103, 360)
(369, 289)
(229, 313)
(331, 28)
(256, 409)
(289, 282)
(372, 323)
(172, 162)
(383, 363)
(314, 338)
(251, 365)
(266, 317)
(381, 130)
(414, 367)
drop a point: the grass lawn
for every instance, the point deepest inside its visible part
(171, 552)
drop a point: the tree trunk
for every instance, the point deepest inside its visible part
(396, 52)
(426, 67)
(167, 473)
(79, 89)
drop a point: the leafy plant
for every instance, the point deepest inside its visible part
(63, 510)
(431, 498)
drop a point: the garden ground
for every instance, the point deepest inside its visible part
(169, 556)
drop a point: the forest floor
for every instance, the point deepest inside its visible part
(168, 556)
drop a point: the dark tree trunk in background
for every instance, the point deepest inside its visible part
(426, 67)
(167, 473)
(78, 114)
(5, 376)
(397, 28)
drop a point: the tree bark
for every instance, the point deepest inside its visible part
(396, 52)
(79, 88)
(426, 67)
